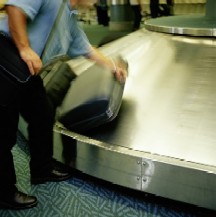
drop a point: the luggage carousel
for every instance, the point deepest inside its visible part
(196, 25)
(163, 140)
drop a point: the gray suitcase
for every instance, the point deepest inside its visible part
(93, 99)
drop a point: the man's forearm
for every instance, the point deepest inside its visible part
(100, 58)
(118, 69)
(17, 27)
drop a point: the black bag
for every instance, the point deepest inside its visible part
(57, 76)
(94, 98)
(14, 72)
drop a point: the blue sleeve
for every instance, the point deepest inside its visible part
(29, 7)
(80, 45)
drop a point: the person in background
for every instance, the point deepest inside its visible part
(137, 13)
(26, 27)
(158, 10)
(102, 12)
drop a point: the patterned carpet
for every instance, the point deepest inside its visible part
(84, 196)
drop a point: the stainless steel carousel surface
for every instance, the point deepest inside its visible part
(163, 140)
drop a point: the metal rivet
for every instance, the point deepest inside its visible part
(144, 180)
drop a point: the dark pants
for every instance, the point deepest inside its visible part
(137, 16)
(155, 10)
(102, 15)
(32, 103)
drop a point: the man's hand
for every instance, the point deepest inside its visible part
(120, 69)
(32, 60)
(118, 66)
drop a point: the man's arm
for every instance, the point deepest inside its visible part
(119, 68)
(17, 22)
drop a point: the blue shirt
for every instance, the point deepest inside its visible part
(68, 38)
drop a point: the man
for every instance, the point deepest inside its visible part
(24, 34)
(102, 12)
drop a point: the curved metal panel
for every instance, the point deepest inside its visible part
(163, 176)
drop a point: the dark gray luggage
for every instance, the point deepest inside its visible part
(93, 99)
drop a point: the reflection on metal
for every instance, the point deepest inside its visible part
(148, 173)
(119, 2)
(163, 140)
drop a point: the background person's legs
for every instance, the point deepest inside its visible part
(154, 8)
